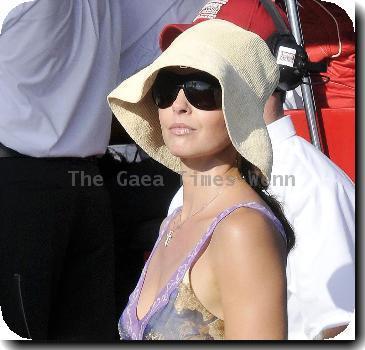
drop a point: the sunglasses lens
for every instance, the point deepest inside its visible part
(164, 90)
(203, 94)
(201, 90)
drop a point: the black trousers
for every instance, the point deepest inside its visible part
(56, 250)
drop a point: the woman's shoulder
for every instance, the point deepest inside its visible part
(247, 258)
(247, 228)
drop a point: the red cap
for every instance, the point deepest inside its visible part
(248, 14)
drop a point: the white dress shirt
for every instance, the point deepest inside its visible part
(319, 201)
(59, 59)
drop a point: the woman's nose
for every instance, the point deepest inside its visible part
(181, 104)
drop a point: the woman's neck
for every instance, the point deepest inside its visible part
(203, 185)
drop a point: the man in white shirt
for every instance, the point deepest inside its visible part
(318, 200)
(58, 61)
(321, 207)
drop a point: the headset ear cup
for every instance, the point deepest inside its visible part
(291, 58)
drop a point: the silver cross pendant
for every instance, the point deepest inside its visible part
(168, 238)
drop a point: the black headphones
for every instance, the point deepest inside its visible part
(292, 58)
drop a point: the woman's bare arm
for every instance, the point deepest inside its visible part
(248, 256)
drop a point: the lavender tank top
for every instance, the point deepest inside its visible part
(176, 313)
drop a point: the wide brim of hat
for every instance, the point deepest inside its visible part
(133, 105)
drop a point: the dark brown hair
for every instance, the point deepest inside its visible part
(258, 182)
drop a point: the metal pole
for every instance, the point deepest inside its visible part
(307, 92)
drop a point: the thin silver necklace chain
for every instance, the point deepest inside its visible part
(170, 234)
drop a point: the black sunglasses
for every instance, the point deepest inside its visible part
(202, 90)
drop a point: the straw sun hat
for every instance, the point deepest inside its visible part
(248, 75)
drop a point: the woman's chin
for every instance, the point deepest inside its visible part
(180, 154)
(178, 149)
(183, 153)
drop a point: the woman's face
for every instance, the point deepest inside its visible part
(190, 132)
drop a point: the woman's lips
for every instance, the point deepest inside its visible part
(181, 129)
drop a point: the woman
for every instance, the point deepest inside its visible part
(217, 270)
